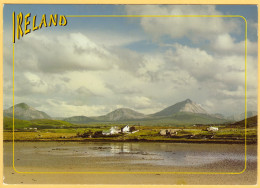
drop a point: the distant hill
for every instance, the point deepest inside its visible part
(121, 114)
(196, 118)
(251, 122)
(36, 123)
(181, 119)
(218, 115)
(25, 112)
(79, 119)
(58, 118)
(238, 117)
(184, 106)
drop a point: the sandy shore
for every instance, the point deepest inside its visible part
(248, 177)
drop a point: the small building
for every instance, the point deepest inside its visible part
(132, 129)
(174, 131)
(163, 132)
(170, 132)
(213, 129)
(126, 129)
(111, 131)
(115, 130)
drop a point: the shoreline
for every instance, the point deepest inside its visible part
(139, 158)
(248, 142)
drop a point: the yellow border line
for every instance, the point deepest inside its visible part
(13, 105)
(136, 2)
(76, 16)
(245, 88)
(160, 16)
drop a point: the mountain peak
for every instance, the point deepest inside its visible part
(184, 106)
(22, 105)
(123, 110)
(188, 101)
(25, 112)
(123, 114)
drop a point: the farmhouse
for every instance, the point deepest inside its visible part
(171, 132)
(115, 130)
(111, 131)
(163, 132)
(213, 129)
(128, 129)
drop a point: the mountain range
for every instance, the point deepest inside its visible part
(186, 112)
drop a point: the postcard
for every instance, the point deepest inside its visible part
(130, 94)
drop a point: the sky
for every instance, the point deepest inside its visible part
(95, 65)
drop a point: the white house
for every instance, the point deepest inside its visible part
(126, 129)
(213, 129)
(113, 130)
(171, 132)
(163, 132)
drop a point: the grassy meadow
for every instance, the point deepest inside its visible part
(57, 130)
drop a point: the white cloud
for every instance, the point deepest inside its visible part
(150, 66)
(153, 82)
(59, 54)
(37, 84)
(197, 62)
(224, 43)
(93, 81)
(138, 101)
(177, 27)
(63, 109)
(91, 74)
(113, 39)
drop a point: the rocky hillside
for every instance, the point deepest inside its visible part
(121, 114)
(184, 106)
(25, 112)
(78, 119)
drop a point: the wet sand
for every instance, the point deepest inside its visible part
(140, 163)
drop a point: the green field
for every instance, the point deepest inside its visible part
(53, 130)
(143, 134)
(39, 124)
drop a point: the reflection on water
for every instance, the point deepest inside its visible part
(170, 154)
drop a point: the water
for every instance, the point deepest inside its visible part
(86, 155)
